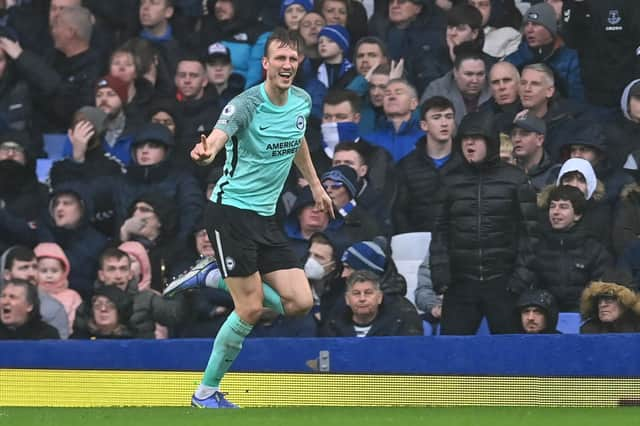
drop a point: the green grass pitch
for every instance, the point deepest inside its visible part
(319, 416)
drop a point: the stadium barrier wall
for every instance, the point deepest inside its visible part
(515, 370)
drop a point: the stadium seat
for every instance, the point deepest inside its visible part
(483, 329)
(569, 322)
(54, 145)
(408, 252)
(43, 166)
(428, 329)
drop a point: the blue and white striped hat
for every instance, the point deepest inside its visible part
(339, 34)
(365, 255)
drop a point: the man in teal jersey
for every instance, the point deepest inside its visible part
(262, 131)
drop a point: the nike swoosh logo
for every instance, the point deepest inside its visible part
(264, 127)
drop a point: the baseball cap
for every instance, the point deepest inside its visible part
(218, 51)
(531, 123)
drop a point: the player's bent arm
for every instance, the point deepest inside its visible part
(205, 152)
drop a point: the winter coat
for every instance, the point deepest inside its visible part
(60, 85)
(623, 132)
(387, 323)
(59, 290)
(16, 111)
(606, 35)
(543, 174)
(562, 262)
(418, 184)
(446, 86)
(487, 212)
(563, 61)
(626, 226)
(558, 119)
(629, 322)
(33, 330)
(422, 44)
(399, 143)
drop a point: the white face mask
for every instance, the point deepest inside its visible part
(314, 270)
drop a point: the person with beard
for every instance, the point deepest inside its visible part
(564, 257)
(538, 312)
(234, 24)
(89, 162)
(487, 212)
(20, 315)
(21, 195)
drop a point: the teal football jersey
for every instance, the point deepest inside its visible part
(263, 140)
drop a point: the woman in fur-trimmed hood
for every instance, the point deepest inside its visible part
(608, 307)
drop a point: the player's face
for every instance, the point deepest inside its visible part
(533, 319)
(280, 64)
(14, 306)
(115, 271)
(364, 299)
(439, 124)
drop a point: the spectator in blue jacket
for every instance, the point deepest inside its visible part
(541, 43)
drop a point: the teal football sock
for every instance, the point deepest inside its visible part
(272, 299)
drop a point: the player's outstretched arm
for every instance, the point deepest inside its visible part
(206, 150)
(305, 165)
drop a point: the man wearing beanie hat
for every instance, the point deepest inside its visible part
(111, 97)
(341, 183)
(541, 43)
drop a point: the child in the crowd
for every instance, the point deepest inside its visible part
(53, 273)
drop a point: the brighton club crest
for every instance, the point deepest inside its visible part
(614, 17)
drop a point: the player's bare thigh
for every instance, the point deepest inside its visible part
(293, 288)
(247, 296)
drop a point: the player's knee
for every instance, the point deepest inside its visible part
(250, 312)
(301, 306)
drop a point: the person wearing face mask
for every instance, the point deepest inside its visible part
(323, 272)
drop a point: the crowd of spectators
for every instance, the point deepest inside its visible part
(508, 130)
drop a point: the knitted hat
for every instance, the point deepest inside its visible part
(122, 301)
(120, 87)
(306, 4)
(95, 116)
(365, 255)
(339, 34)
(154, 132)
(345, 175)
(543, 14)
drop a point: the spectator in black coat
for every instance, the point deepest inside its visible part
(623, 132)
(366, 314)
(488, 211)
(422, 172)
(564, 258)
(20, 318)
(21, 194)
(63, 81)
(538, 312)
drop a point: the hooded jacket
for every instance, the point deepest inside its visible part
(629, 322)
(487, 212)
(135, 249)
(545, 301)
(623, 133)
(60, 290)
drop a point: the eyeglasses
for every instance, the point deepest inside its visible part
(336, 185)
(103, 304)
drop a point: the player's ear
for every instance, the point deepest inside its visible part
(264, 63)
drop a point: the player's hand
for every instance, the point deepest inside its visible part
(322, 201)
(201, 153)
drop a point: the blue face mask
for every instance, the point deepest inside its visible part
(334, 133)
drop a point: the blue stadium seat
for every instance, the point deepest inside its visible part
(569, 322)
(483, 330)
(54, 145)
(43, 166)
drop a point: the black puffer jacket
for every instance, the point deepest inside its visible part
(488, 210)
(563, 263)
(418, 183)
